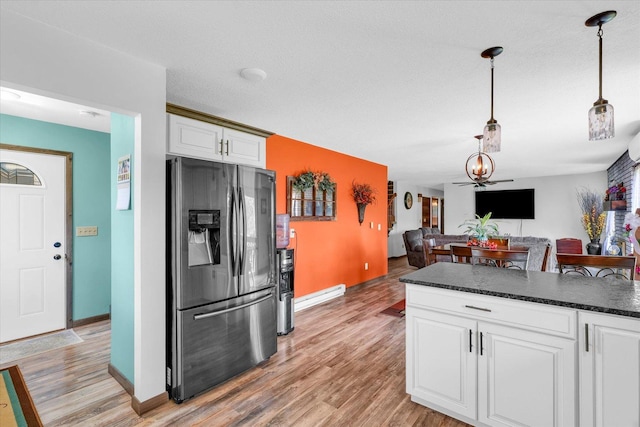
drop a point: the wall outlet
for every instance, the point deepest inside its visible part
(292, 233)
(379, 227)
(89, 230)
(366, 265)
(371, 224)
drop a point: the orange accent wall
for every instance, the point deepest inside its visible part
(328, 253)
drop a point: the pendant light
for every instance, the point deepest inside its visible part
(601, 114)
(480, 165)
(492, 131)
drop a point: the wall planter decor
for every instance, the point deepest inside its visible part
(311, 197)
(363, 195)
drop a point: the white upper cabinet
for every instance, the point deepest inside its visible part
(193, 138)
(244, 148)
(198, 139)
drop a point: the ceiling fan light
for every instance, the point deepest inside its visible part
(601, 122)
(479, 167)
(492, 137)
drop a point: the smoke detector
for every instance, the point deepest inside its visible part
(253, 74)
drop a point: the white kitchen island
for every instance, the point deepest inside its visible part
(501, 347)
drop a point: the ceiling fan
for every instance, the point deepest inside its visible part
(481, 184)
(479, 168)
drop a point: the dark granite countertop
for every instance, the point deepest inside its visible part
(613, 296)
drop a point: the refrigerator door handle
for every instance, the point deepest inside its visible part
(232, 223)
(228, 310)
(243, 216)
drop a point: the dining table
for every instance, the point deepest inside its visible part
(446, 248)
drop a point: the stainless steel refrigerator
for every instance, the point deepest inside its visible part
(221, 308)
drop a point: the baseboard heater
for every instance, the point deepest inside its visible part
(318, 297)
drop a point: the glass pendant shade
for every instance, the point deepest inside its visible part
(601, 122)
(492, 137)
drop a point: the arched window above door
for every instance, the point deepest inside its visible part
(12, 173)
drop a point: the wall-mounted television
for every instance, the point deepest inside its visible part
(507, 204)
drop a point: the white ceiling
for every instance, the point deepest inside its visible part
(400, 83)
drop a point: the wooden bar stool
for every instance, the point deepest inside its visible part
(503, 258)
(606, 265)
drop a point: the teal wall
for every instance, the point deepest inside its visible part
(122, 291)
(91, 203)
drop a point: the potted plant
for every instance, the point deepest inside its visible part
(592, 218)
(481, 228)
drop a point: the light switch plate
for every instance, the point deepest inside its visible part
(88, 230)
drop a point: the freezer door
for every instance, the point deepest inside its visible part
(202, 270)
(256, 229)
(218, 342)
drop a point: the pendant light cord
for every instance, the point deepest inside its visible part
(492, 119)
(600, 63)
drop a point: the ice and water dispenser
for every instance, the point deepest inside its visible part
(285, 276)
(204, 237)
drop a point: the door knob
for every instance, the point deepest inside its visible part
(57, 244)
(57, 256)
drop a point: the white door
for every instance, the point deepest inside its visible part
(32, 247)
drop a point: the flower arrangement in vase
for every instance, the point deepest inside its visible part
(363, 195)
(592, 218)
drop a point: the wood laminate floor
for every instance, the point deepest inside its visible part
(343, 365)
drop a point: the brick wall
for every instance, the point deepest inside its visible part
(622, 171)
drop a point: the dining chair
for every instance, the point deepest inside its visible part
(501, 242)
(568, 245)
(429, 256)
(603, 265)
(547, 255)
(461, 254)
(503, 258)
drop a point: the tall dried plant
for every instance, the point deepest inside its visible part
(593, 216)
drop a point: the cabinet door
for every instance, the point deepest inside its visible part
(525, 378)
(609, 348)
(193, 138)
(441, 360)
(244, 148)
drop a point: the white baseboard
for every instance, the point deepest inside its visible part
(318, 297)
